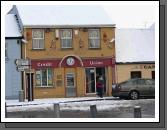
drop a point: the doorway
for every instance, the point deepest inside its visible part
(30, 95)
(92, 74)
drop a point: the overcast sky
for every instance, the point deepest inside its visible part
(126, 15)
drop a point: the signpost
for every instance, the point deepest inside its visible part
(22, 64)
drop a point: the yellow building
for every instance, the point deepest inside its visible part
(135, 54)
(67, 50)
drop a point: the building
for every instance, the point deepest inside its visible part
(69, 47)
(12, 52)
(135, 53)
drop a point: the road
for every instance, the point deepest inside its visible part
(105, 109)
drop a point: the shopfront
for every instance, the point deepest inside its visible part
(71, 76)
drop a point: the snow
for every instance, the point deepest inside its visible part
(63, 15)
(11, 26)
(82, 104)
(135, 45)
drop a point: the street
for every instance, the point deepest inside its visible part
(106, 108)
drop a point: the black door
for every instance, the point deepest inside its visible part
(30, 87)
(153, 74)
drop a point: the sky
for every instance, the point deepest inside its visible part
(125, 15)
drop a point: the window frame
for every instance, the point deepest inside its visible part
(47, 84)
(70, 38)
(43, 38)
(94, 38)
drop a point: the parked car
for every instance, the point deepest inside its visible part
(135, 88)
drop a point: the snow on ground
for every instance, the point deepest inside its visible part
(82, 104)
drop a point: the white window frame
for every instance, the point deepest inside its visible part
(33, 30)
(47, 78)
(66, 38)
(94, 38)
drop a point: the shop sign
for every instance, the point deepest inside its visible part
(48, 64)
(149, 66)
(70, 61)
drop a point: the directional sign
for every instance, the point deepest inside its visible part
(22, 68)
(22, 62)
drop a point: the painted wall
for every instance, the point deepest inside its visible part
(12, 76)
(123, 71)
(58, 52)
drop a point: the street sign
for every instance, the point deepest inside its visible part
(22, 68)
(22, 62)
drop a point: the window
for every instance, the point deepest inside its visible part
(6, 53)
(66, 38)
(44, 78)
(38, 39)
(94, 38)
(135, 74)
(153, 74)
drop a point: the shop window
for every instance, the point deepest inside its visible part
(38, 39)
(66, 38)
(94, 38)
(135, 74)
(153, 74)
(44, 77)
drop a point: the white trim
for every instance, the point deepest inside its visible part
(71, 56)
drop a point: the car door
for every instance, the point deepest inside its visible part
(151, 85)
(143, 88)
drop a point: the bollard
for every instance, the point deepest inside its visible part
(137, 112)
(56, 110)
(5, 110)
(21, 96)
(93, 111)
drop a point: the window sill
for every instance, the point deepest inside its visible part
(38, 49)
(67, 48)
(94, 48)
(44, 86)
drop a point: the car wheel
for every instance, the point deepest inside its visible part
(134, 95)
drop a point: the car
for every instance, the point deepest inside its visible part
(134, 88)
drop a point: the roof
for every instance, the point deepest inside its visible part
(135, 45)
(11, 26)
(63, 15)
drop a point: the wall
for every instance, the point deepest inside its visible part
(12, 76)
(123, 71)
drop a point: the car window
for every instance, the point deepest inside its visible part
(149, 82)
(141, 82)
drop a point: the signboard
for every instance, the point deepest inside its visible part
(22, 62)
(22, 68)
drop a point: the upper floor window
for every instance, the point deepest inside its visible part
(38, 39)
(94, 38)
(66, 38)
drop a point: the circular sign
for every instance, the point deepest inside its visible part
(70, 61)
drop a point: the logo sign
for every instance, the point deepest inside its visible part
(22, 62)
(70, 61)
(22, 68)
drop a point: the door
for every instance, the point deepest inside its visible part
(90, 80)
(30, 83)
(70, 85)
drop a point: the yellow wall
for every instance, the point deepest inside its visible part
(123, 71)
(57, 52)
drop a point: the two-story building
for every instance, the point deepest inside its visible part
(69, 47)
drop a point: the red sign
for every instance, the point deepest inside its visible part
(98, 62)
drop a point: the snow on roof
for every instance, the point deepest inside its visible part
(63, 15)
(11, 26)
(135, 45)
